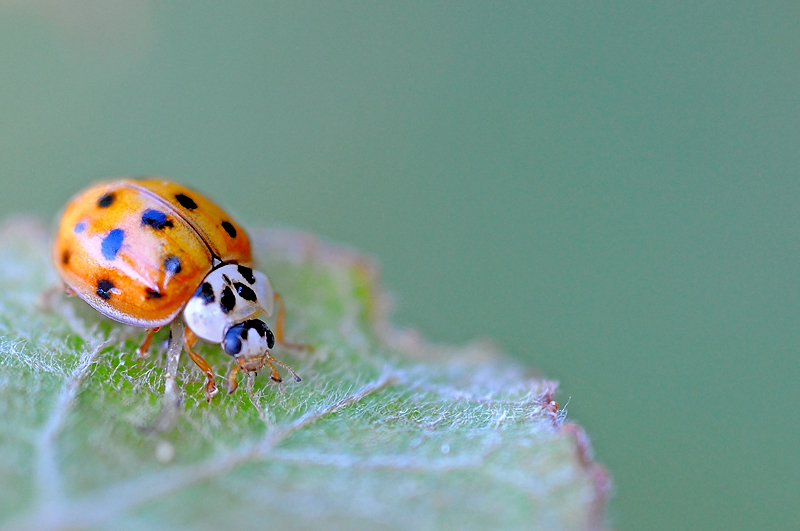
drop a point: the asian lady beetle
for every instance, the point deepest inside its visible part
(142, 251)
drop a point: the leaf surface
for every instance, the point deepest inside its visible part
(384, 432)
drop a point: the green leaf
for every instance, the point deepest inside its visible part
(384, 432)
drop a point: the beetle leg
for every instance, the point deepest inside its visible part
(46, 298)
(280, 320)
(143, 348)
(232, 383)
(274, 374)
(190, 339)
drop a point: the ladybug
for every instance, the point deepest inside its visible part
(143, 252)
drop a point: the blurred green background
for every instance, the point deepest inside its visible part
(608, 191)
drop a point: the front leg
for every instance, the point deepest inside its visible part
(189, 339)
(232, 383)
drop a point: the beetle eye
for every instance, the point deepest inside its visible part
(270, 338)
(232, 344)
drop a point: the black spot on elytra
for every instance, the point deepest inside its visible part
(186, 201)
(172, 265)
(104, 288)
(65, 257)
(106, 200)
(157, 220)
(245, 292)
(205, 292)
(153, 294)
(247, 273)
(228, 300)
(112, 243)
(230, 229)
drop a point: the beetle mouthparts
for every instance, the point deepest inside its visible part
(252, 363)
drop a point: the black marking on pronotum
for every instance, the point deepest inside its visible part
(225, 279)
(205, 292)
(186, 201)
(245, 292)
(247, 273)
(172, 265)
(157, 220)
(104, 288)
(112, 243)
(153, 294)
(229, 228)
(106, 200)
(80, 227)
(65, 256)
(228, 300)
